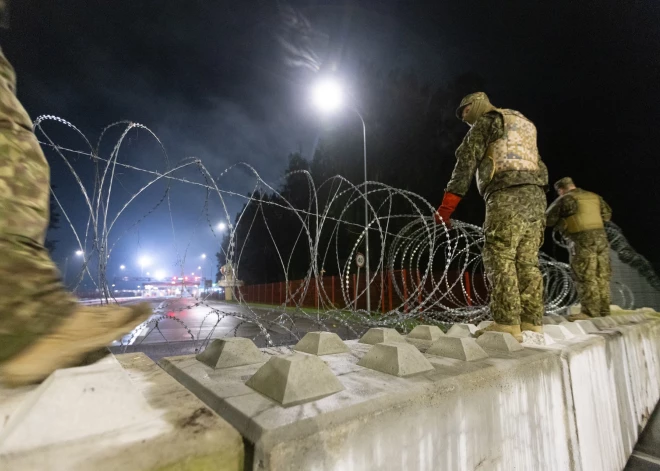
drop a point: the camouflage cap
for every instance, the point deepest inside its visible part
(468, 100)
(564, 183)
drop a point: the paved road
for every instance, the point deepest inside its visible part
(646, 456)
(217, 319)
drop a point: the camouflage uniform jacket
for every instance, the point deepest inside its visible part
(566, 206)
(471, 155)
(12, 114)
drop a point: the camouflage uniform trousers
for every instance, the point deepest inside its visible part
(32, 298)
(590, 264)
(513, 231)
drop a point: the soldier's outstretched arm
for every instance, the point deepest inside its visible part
(605, 210)
(562, 208)
(552, 214)
(470, 152)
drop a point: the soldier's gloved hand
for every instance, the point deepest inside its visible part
(448, 206)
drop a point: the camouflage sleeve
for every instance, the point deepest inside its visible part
(605, 210)
(562, 208)
(472, 150)
(12, 114)
(543, 175)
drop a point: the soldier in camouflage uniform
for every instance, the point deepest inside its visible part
(42, 327)
(580, 216)
(501, 149)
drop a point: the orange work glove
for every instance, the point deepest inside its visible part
(449, 203)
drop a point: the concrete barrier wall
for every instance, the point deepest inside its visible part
(608, 388)
(122, 413)
(577, 404)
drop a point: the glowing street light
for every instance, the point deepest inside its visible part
(328, 96)
(144, 261)
(203, 255)
(160, 274)
(122, 267)
(222, 226)
(199, 268)
(79, 253)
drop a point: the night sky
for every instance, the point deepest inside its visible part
(218, 81)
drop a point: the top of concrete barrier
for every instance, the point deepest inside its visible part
(462, 330)
(229, 352)
(116, 414)
(367, 391)
(380, 421)
(426, 332)
(321, 343)
(381, 334)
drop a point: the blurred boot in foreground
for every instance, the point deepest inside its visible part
(42, 326)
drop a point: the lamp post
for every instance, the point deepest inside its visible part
(327, 96)
(202, 267)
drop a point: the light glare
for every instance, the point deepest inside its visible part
(327, 96)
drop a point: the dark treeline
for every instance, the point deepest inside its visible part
(412, 134)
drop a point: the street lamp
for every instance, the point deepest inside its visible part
(121, 267)
(222, 226)
(328, 96)
(144, 261)
(79, 253)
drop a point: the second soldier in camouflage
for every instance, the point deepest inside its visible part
(580, 216)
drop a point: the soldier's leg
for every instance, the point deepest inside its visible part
(32, 298)
(530, 279)
(584, 265)
(42, 327)
(502, 234)
(604, 277)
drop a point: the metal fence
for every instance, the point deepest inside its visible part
(329, 293)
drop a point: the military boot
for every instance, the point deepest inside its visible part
(509, 329)
(85, 331)
(578, 317)
(534, 328)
